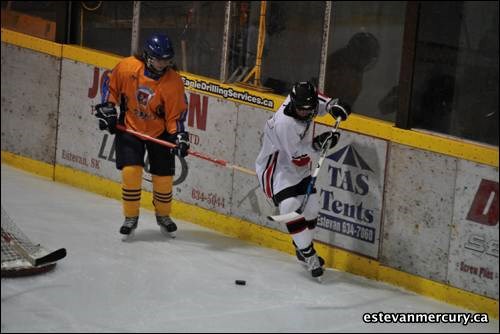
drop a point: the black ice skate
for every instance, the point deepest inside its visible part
(314, 266)
(302, 259)
(167, 225)
(312, 261)
(128, 227)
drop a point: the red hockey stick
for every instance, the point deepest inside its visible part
(191, 152)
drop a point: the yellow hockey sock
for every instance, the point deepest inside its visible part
(162, 194)
(131, 190)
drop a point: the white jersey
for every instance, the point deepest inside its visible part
(286, 153)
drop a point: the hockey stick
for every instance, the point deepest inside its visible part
(34, 260)
(298, 213)
(191, 152)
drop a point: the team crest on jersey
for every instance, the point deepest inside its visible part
(144, 95)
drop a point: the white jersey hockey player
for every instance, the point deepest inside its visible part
(283, 164)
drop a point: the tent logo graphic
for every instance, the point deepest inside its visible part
(349, 156)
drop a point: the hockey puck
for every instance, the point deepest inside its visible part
(240, 282)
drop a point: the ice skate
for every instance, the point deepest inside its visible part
(128, 227)
(167, 225)
(302, 259)
(314, 266)
(313, 262)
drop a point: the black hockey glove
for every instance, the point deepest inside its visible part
(322, 139)
(337, 108)
(182, 142)
(107, 115)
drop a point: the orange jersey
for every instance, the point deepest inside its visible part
(152, 106)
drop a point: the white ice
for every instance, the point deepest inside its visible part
(187, 284)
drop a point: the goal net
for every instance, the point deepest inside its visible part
(18, 251)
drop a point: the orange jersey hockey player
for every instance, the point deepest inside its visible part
(150, 95)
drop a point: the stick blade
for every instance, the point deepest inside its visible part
(51, 257)
(285, 217)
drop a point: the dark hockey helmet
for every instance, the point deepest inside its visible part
(304, 100)
(158, 53)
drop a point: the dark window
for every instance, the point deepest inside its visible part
(195, 29)
(455, 87)
(292, 45)
(36, 18)
(104, 25)
(364, 56)
(42, 9)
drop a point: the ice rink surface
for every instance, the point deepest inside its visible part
(187, 284)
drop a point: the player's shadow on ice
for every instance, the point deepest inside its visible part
(210, 240)
(336, 277)
(356, 291)
(148, 235)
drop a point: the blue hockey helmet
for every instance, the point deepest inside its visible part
(158, 48)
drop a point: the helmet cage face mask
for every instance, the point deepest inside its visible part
(158, 54)
(304, 101)
(306, 113)
(158, 66)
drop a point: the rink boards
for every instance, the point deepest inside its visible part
(426, 213)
